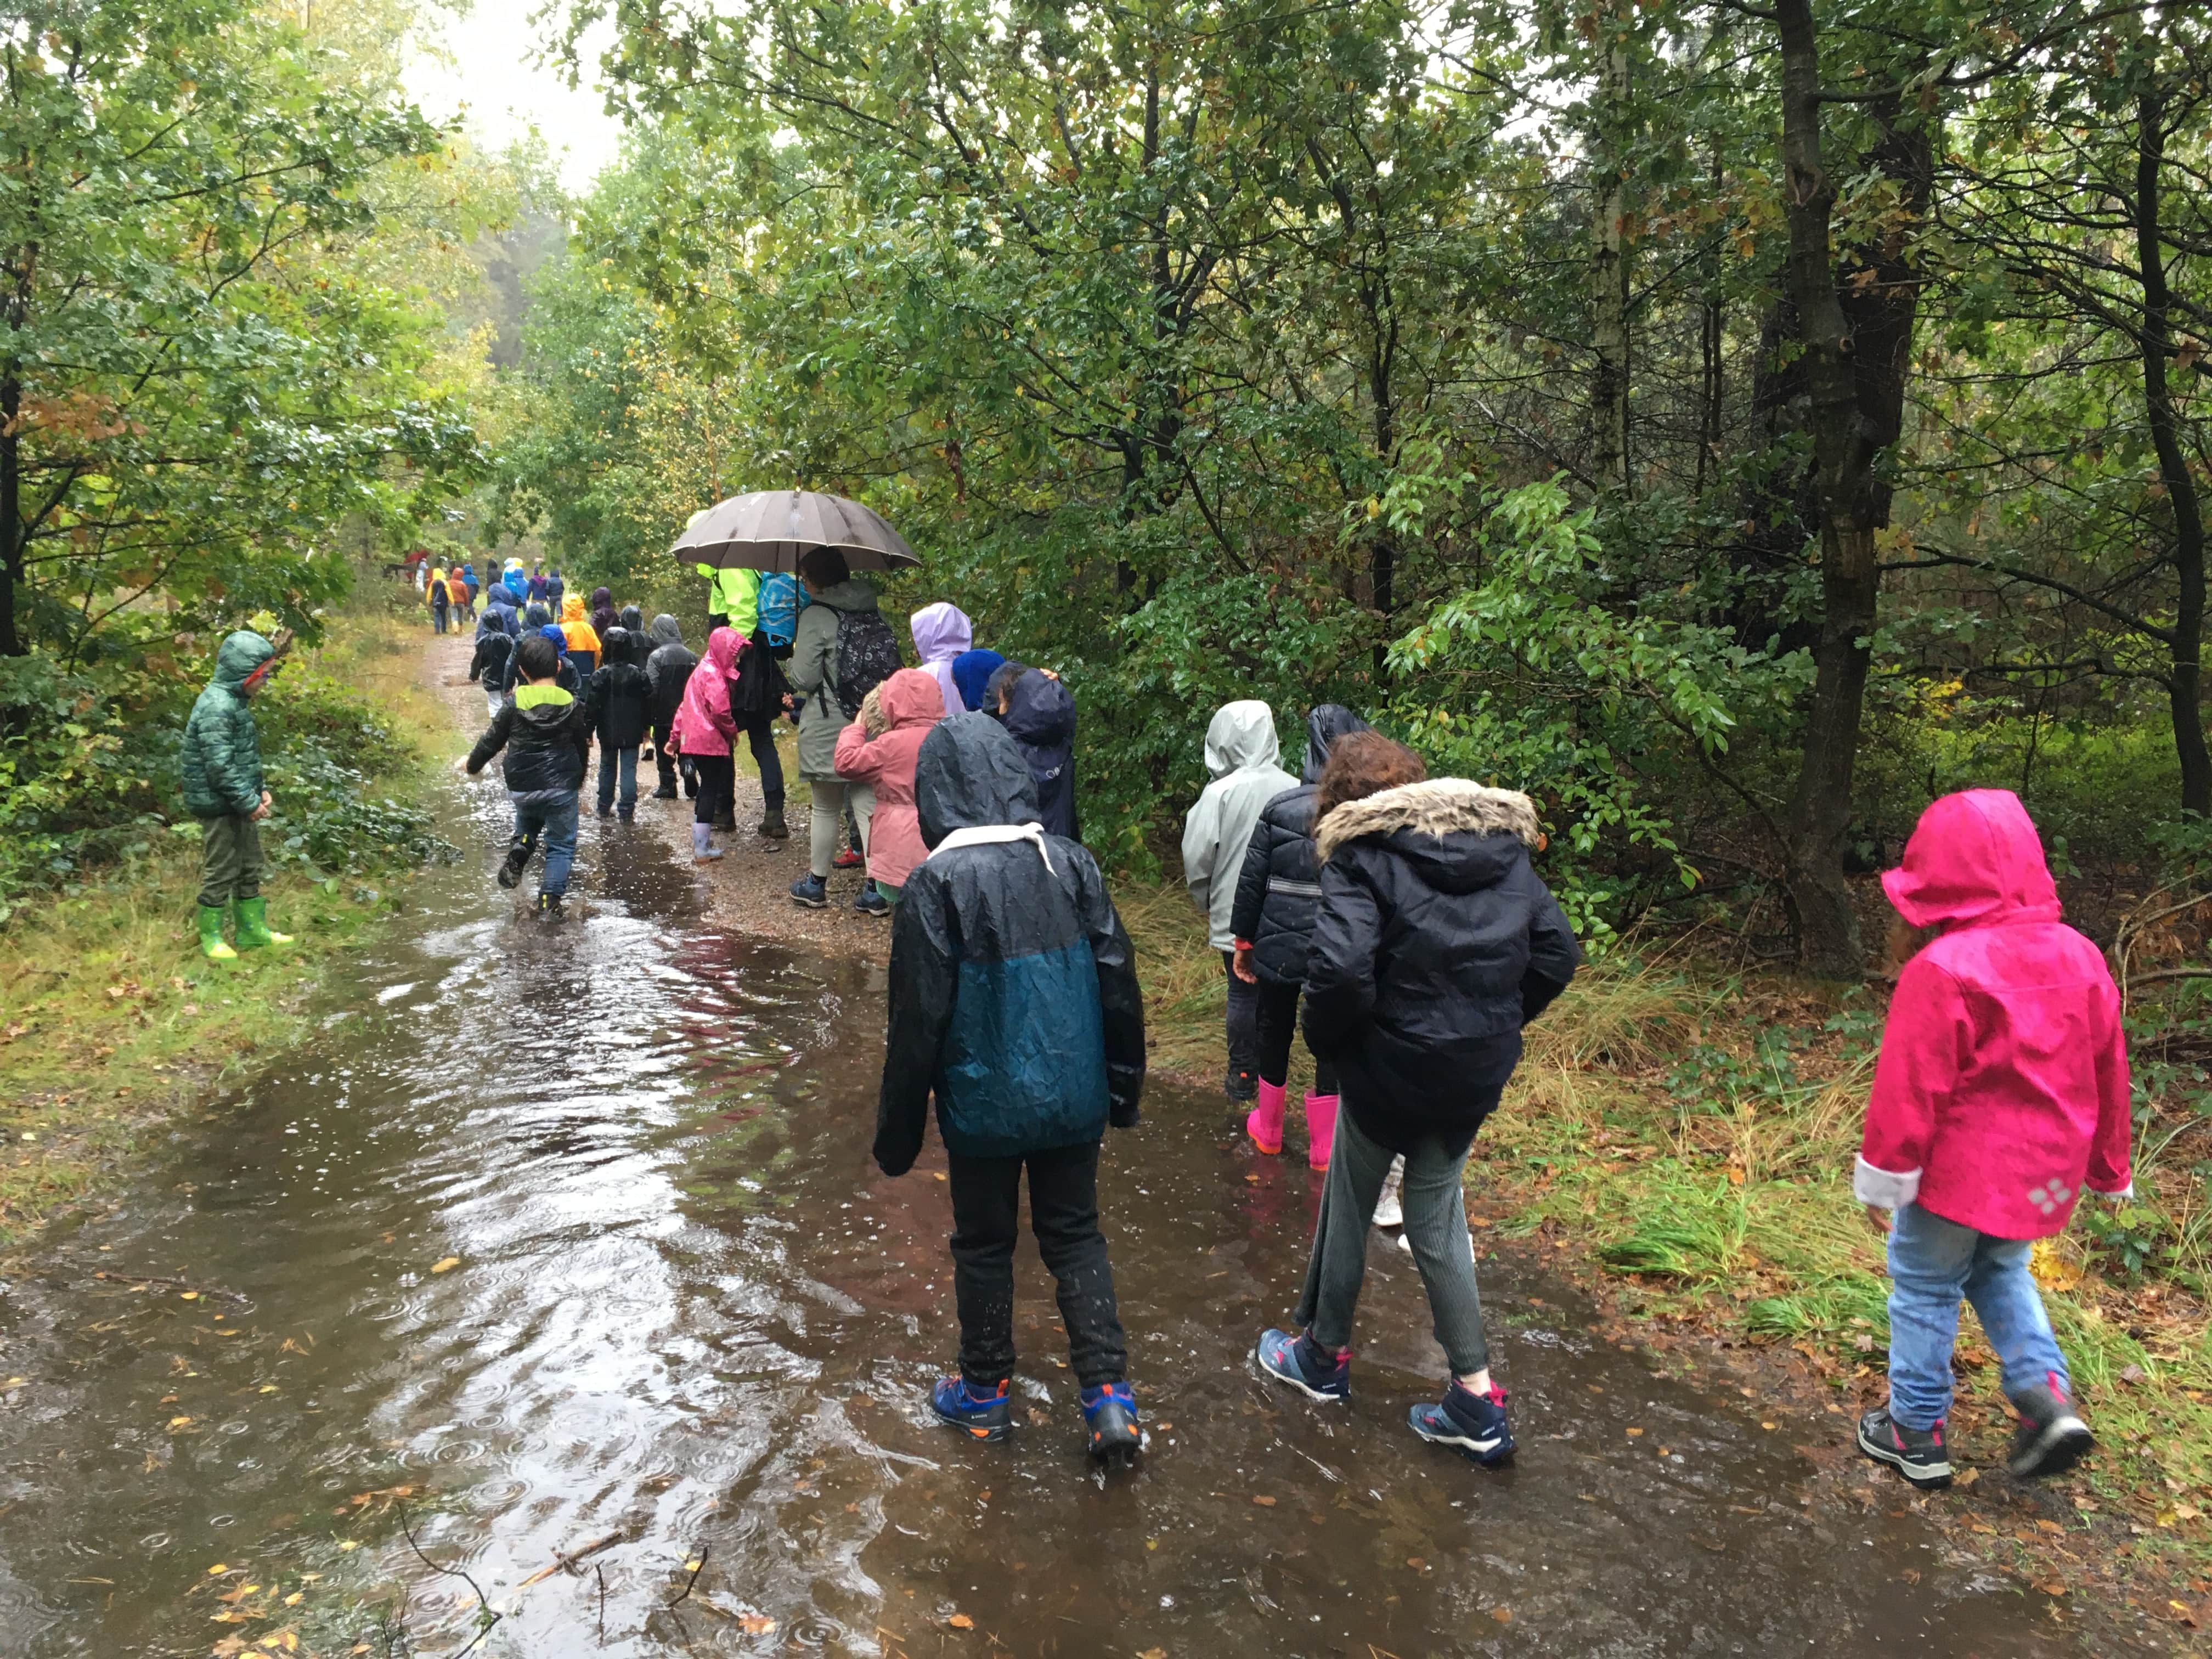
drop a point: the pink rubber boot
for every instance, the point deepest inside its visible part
(1264, 1122)
(1321, 1128)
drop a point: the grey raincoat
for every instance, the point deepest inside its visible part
(1241, 753)
(813, 672)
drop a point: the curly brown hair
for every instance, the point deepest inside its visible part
(1362, 764)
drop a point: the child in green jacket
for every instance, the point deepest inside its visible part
(222, 762)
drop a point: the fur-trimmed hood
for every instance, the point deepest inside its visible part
(1462, 835)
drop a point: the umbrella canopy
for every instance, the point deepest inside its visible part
(770, 529)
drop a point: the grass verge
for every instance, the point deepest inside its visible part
(1681, 1141)
(113, 1022)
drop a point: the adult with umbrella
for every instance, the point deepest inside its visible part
(774, 530)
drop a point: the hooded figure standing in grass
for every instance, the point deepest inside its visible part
(1014, 1001)
(222, 762)
(1241, 755)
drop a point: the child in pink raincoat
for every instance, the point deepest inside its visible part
(910, 705)
(2001, 1093)
(703, 731)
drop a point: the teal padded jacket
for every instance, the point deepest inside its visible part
(221, 757)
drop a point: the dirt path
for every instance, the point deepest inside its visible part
(746, 894)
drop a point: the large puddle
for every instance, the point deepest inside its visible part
(560, 1233)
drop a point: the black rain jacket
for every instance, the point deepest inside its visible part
(1433, 944)
(1280, 883)
(618, 702)
(546, 738)
(1014, 988)
(1040, 718)
(668, 670)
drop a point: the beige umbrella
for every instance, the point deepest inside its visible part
(770, 529)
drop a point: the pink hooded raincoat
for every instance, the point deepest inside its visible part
(2002, 1089)
(911, 702)
(703, 723)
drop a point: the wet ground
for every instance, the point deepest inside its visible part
(564, 1231)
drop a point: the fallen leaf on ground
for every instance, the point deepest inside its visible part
(446, 1265)
(961, 1622)
(1264, 1503)
(1503, 1615)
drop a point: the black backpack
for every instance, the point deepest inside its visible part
(867, 655)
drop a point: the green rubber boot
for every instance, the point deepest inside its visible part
(253, 930)
(211, 945)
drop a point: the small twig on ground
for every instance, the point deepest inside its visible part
(698, 1567)
(484, 1611)
(180, 1284)
(599, 1573)
(572, 1560)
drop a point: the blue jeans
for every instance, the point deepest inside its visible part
(1932, 1263)
(622, 761)
(557, 822)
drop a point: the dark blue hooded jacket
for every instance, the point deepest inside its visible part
(1014, 989)
(1040, 717)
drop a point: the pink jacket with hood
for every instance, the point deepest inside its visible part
(2001, 1088)
(912, 703)
(703, 723)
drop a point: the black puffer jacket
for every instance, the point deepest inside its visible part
(1014, 989)
(1433, 944)
(617, 704)
(546, 738)
(1280, 883)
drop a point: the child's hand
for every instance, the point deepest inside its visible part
(1878, 1218)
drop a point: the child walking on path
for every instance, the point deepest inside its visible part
(704, 732)
(616, 707)
(2000, 1092)
(1014, 1000)
(880, 750)
(668, 671)
(1435, 942)
(543, 730)
(1240, 755)
(1277, 890)
(221, 763)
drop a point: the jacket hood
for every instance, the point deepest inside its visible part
(602, 596)
(539, 617)
(239, 655)
(614, 645)
(1459, 836)
(667, 630)
(722, 646)
(632, 618)
(971, 673)
(911, 698)
(1242, 738)
(571, 608)
(1973, 856)
(1040, 712)
(1324, 725)
(968, 774)
(851, 594)
(552, 631)
(941, 632)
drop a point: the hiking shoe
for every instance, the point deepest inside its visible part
(870, 902)
(666, 792)
(982, 1416)
(626, 814)
(772, 826)
(511, 869)
(549, 906)
(2052, 1439)
(607, 812)
(1241, 1085)
(727, 823)
(1470, 1423)
(848, 860)
(811, 891)
(1109, 1421)
(1919, 1454)
(1301, 1364)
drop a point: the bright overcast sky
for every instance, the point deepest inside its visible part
(494, 74)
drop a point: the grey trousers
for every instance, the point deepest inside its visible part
(1436, 1226)
(230, 860)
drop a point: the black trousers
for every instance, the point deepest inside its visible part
(1244, 1022)
(1064, 1214)
(662, 759)
(760, 735)
(717, 775)
(1278, 1023)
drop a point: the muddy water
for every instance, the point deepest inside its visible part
(682, 1307)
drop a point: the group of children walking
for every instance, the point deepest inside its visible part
(1403, 912)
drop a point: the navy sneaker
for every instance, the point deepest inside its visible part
(1474, 1423)
(811, 891)
(870, 902)
(1919, 1454)
(2053, 1438)
(1301, 1363)
(985, 1416)
(1110, 1419)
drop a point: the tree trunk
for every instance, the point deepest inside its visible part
(1609, 271)
(1857, 328)
(11, 516)
(2183, 685)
